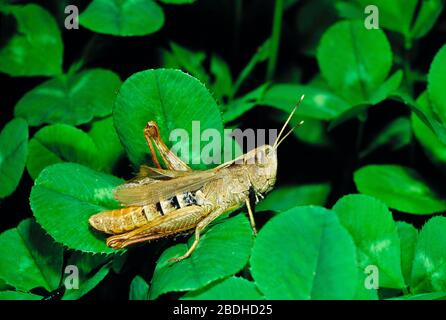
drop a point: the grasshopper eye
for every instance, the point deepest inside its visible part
(267, 152)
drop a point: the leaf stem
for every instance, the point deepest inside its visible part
(405, 291)
(406, 65)
(87, 51)
(408, 74)
(275, 39)
(246, 72)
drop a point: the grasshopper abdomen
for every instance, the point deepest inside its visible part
(129, 218)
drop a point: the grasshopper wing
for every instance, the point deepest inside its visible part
(157, 173)
(152, 190)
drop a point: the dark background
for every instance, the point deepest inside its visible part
(218, 26)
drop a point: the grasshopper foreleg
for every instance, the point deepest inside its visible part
(250, 202)
(251, 216)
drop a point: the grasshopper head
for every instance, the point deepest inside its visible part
(263, 172)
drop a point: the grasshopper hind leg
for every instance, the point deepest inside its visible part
(181, 220)
(153, 136)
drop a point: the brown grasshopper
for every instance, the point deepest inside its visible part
(161, 202)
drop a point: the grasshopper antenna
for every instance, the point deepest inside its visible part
(289, 132)
(278, 139)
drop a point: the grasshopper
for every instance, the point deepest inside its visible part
(162, 202)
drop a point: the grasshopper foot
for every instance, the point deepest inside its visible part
(178, 259)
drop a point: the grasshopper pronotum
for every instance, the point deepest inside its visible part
(161, 202)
